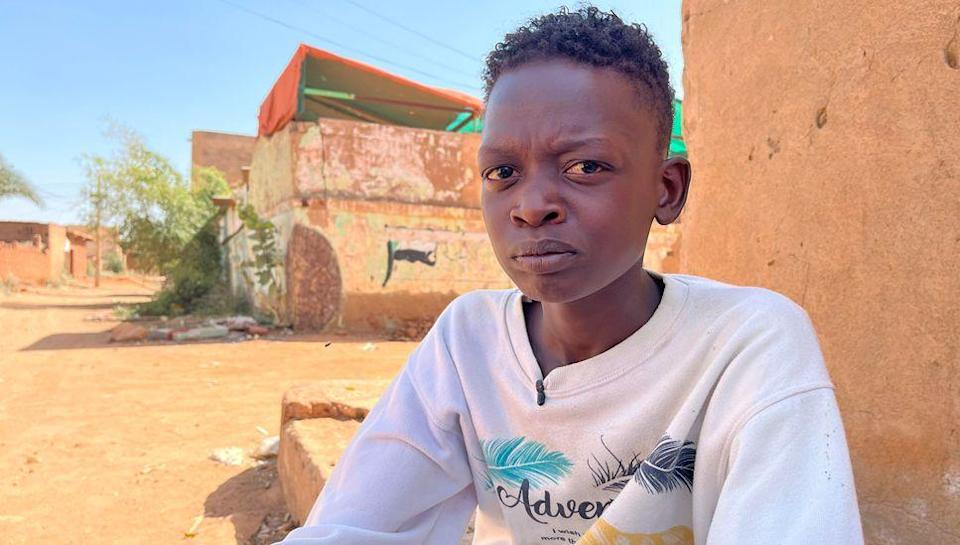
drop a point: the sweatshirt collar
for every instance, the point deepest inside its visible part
(608, 365)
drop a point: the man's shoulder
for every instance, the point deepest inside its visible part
(764, 343)
(762, 307)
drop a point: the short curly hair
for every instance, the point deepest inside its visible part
(590, 36)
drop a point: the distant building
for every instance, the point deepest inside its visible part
(109, 247)
(228, 153)
(42, 253)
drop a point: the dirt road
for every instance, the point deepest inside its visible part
(107, 443)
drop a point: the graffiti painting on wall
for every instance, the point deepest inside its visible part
(413, 251)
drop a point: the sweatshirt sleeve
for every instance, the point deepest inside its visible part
(789, 479)
(405, 478)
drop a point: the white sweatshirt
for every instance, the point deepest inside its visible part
(713, 424)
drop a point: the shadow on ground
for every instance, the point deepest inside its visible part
(253, 502)
(62, 306)
(69, 341)
(101, 339)
(91, 295)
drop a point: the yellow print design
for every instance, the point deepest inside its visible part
(604, 533)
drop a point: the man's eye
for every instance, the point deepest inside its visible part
(500, 173)
(584, 167)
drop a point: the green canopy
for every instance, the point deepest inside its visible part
(677, 145)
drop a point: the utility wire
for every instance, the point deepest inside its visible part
(373, 36)
(344, 47)
(412, 30)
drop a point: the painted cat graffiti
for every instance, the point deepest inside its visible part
(411, 251)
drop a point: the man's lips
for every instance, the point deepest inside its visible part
(534, 248)
(543, 256)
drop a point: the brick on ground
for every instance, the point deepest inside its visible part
(127, 332)
(309, 450)
(318, 420)
(338, 399)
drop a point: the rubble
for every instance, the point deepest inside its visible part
(230, 456)
(268, 448)
(201, 333)
(273, 528)
(235, 328)
(238, 323)
(160, 334)
(126, 332)
(257, 330)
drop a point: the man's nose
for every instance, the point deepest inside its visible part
(538, 203)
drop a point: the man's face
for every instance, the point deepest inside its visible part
(571, 177)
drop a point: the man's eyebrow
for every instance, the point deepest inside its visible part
(565, 143)
(557, 145)
(497, 150)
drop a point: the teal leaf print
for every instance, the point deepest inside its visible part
(511, 461)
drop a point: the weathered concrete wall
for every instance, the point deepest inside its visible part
(401, 264)
(271, 170)
(348, 160)
(824, 139)
(223, 151)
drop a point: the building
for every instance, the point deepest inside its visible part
(228, 153)
(42, 253)
(113, 255)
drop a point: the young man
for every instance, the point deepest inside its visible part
(600, 403)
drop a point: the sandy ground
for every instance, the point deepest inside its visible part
(106, 443)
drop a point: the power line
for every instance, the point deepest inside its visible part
(380, 39)
(342, 46)
(412, 30)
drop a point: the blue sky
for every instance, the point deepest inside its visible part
(167, 68)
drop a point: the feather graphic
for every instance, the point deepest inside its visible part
(511, 461)
(612, 477)
(669, 466)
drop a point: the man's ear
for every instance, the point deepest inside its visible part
(674, 184)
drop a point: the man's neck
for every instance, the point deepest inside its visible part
(562, 333)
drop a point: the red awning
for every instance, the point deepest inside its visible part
(318, 84)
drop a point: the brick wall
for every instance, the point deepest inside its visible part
(21, 231)
(23, 263)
